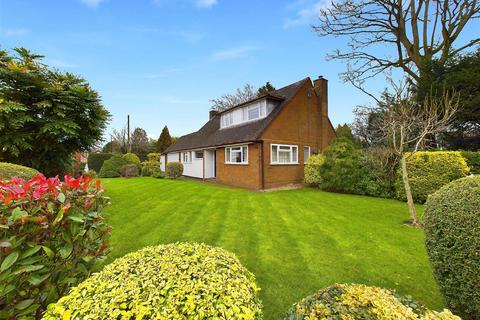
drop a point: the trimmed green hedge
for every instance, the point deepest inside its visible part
(354, 301)
(428, 171)
(95, 160)
(452, 229)
(129, 170)
(174, 170)
(174, 281)
(473, 160)
(8, 170)
(132, 158)
(111, 167)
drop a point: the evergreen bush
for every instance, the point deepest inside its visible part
(8, 170)
(111, 167)
(174, 170)
(95, 160)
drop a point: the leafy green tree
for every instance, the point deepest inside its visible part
(112, 147)
(45, 115)
(461, 74)
(140, 143)
(164, 141)
(266, 88)
(344, 131)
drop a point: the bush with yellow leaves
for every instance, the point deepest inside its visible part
(174, 281)
(354, 301)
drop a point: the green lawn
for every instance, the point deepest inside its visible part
(295, 241)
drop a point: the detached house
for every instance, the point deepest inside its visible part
(262, 143)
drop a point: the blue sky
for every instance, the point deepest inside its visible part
(162, 60)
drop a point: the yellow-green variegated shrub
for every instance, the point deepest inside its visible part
(355, 301)
(174, 281)
(428, 171)
(312, 169)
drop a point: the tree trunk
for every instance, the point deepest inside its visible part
(408, 192)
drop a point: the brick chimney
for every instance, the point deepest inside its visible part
(320, 86)
(212, 114)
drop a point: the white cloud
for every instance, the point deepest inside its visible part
(92, 3)
(233, 53)
(306, 12)
(18, 32)
(205, 3)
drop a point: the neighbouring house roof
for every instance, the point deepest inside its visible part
(210, 134)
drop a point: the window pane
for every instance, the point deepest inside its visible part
(244, 154)
(274, 153)
(199, 154)
(228, 159)
(253, 113)
(306, 153)
(294, 154)
(284, 156)
(237, 156)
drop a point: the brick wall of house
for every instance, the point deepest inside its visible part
(240, 175)
(303, 122)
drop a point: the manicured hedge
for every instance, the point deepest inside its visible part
(111, 167)
(132, 158)
(151, 167)
(95, 160)
(353, 301)
(312, 170)
(452, 229)
(8, 170)
(473, 160)
(174, 281)
(174, 170)
(428, 171)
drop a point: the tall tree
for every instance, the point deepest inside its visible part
(229, 100)
(404, 34)
(164, 141)
(45, 115)
(140, 143)
(266, 88)
(461, 74)
(407, 125)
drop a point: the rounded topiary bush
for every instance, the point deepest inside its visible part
(174, 281)
(452, 229)
(111, 167)
(132, 158)
(312, 169)
(129, 170)
(8, 170)
(174, 170)
(95, 160)
(354, 301)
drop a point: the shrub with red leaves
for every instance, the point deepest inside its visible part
(52, 233)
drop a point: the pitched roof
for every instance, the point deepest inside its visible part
(210, 135)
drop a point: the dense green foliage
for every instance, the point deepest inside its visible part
(312, 169)
(52, 233)
(174, 170)
(140, 143)
(8, 170)
(473, 160)
(294, 241)
(129, 170)
(174, 281)
(452, 224)
(45, 115)
(164, 141)
(132, 158)
(266, 88)
(95, 160)
(111, 167)
(462, 74)
(151, 167)
(428, 171)
(353, 301)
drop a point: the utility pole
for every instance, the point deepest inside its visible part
(129, 146)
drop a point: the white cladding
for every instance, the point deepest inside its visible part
(209, 158)
(194, 166)
(162, 163)
(172, 157)
(251, 112)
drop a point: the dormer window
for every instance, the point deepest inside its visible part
(251, 112)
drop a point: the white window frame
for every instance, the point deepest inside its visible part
(309, 153)
(195, 154)
(291, 146)
(232, 149)
(226, 120)
(187, 157)
(262, 110)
